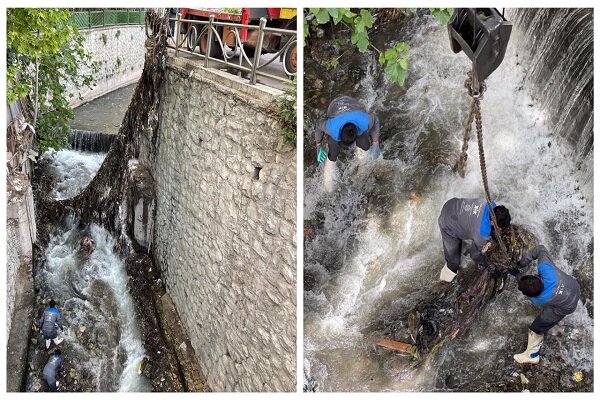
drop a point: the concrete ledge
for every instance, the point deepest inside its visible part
(105, 89)
(228, 82)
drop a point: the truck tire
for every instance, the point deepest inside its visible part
(290, 62)
(215, 47)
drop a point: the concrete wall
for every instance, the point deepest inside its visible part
(225, 241)
(20, 235)
(120, 53)
(20, 217)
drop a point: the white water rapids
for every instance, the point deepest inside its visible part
(379, 242)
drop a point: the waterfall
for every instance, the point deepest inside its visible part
(96, 142)
(558, 46)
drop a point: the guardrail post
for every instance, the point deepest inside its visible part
(258, 50)
(103, 17)
(176, 34)
(89, 13)
(211, 19)
(241, 58)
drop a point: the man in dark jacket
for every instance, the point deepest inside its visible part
(49, 324)
(51, 368)
(553, 290)
(467, 219)
(346, 122)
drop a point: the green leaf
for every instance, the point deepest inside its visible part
(361, 40)
(366, 18)
(338, 16)
(404, 63)
(322, 16)
(333, 12)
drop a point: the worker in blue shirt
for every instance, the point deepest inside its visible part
(551, 289)
(345, 123)
(49, 324)
(468, 219)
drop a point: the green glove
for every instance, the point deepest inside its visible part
(322, 155)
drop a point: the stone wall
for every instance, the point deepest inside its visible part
(119, 50)
(225, 226)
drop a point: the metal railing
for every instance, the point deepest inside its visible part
(107, 17)
(197, 29)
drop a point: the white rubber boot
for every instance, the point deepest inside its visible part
(57, 340)
(446, 274)
(48, 343)
(531, 355)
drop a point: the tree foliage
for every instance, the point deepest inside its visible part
(45, 54)
(442, 14)
(394, 60)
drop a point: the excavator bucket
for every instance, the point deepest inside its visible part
(482, 33)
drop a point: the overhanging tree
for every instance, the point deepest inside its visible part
(46, 54)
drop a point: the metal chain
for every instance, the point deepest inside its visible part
(475, 113)
(461, 164)
(483, 167)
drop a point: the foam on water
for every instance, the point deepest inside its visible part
(74, 170)
(379, 242)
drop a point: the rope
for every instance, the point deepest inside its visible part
(475, 113)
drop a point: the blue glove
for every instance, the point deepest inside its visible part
(374, 152)
(322, 155)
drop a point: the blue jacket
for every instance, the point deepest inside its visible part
(560, 291)
(50, 322)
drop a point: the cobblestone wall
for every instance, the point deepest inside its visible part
(225, 227)
(119, 50)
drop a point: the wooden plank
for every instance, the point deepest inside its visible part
(391, 344)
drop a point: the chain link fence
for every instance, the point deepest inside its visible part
(92, 18)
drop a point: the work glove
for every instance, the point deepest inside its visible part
(375, 151)
(321, 154)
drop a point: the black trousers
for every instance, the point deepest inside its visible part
(452, 249)
(363, 141)
(549, 317)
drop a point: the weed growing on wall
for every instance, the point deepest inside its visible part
(286, 106)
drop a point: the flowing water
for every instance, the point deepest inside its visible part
(102, 345)
(376, 241)
(73, 170)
